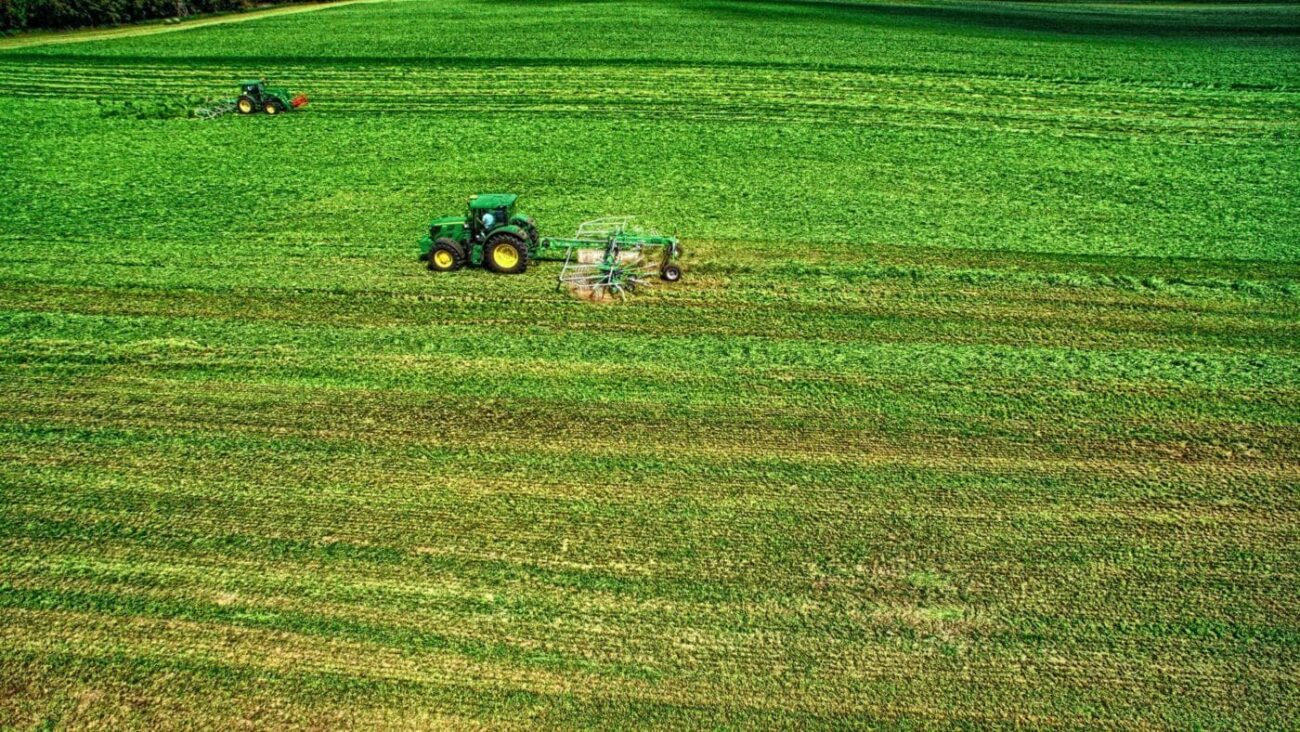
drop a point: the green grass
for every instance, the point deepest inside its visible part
(977, 409)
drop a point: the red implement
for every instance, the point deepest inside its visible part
(299, 101)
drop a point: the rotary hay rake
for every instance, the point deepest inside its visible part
(607, 258)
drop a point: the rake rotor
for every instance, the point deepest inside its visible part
(605, 258)
(615, 274)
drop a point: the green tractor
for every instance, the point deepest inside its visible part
(606, 257)
(255, 95)
(492, 234)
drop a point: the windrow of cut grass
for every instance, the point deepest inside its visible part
(886, 97)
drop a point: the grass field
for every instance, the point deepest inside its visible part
(977, 408)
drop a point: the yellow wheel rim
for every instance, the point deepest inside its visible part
(244, 106)
(443, 259)
(505, 256)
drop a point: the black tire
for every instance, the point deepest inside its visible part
(451, 248)
(272, 106)
(531, 228)
(670, 273)
(245, 105)
(496, 258)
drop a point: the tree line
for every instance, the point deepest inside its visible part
(22, 14)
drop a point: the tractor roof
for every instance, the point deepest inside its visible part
(491, 200)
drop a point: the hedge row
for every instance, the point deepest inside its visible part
(23, 14)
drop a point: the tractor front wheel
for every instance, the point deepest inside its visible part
(446, 256)
(506, 253)
(670, 273)
(273, 106)
(245, 105)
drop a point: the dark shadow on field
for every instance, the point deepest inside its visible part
(1225, 20)
(1119, 19)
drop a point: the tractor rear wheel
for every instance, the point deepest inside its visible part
(670, 273)
(506, 253)
(273, 106)
(446, 256)
(245, 105)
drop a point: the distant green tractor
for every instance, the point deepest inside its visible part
(255, 95)
(492, 234)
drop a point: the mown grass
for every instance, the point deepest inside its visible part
(977, 409)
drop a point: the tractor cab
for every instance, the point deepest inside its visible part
(252, 88)
(488, 212)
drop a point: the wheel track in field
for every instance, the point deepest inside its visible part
(860, 436)
(1231, 327)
